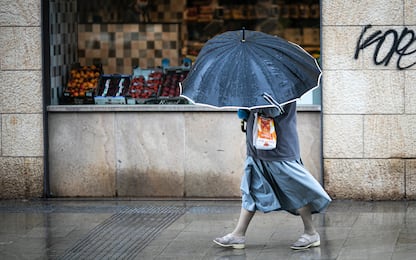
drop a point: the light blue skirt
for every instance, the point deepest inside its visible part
(280, 185)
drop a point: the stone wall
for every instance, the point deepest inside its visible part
(369, 108)
(21, 112)
(369, 93)
(156, 151)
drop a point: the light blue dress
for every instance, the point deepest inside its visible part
(283, 185)
(276, 179)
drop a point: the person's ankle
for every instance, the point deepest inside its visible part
(310, 232)
(239, 235)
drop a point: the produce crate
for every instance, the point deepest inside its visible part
(167, 101)
(100, 100)
(172, 77)
(131, 101)
(83, 80)
(145, 84)
(112, 89)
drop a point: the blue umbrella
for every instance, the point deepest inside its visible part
(250, 69)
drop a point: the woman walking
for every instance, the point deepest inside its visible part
(275, 179)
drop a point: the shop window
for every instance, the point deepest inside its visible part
(295, 20)
(143, 38)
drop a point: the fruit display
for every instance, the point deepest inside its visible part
(145, 84)
(113, 85)
(88, 85)
(170, 86)
(82, 81)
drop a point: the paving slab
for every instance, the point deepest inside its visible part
(184, 229)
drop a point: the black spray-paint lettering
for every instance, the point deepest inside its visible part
(403, 44)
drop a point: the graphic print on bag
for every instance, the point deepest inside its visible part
(264, 133)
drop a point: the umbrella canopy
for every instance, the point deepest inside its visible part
(236, 69)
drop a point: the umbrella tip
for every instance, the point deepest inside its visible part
(244, 37)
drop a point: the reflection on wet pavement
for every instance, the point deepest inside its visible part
(184, 229)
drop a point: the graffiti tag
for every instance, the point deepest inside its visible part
(388, 44)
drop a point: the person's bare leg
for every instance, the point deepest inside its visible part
(310, 238)
(306, 215)
(236, 239)
(243, 222)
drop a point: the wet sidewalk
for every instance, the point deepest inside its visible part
(184, 229)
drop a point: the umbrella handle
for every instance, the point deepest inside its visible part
(271, 100)
(243, 126)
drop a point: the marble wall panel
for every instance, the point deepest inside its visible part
(390, 136)
(20, 13)
(409, 12)
(338, 47)
(21, 92)
(20, 48)
(410, 92)
(309, 130)
(411, 179)
(82, 155)
(343, 135)
(150, 153)
(215, 154)
(365, 179)
(22, 135)
(363, 92)
(21, 177)
(340, 12)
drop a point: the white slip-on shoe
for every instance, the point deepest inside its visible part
(306, 241)
(231, 241)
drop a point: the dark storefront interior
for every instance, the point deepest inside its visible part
(127, 34)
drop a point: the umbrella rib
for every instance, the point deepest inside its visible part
(232, 73)
(294, 65)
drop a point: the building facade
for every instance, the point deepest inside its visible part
(369, 137)
(368, 102)
(21, 109)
